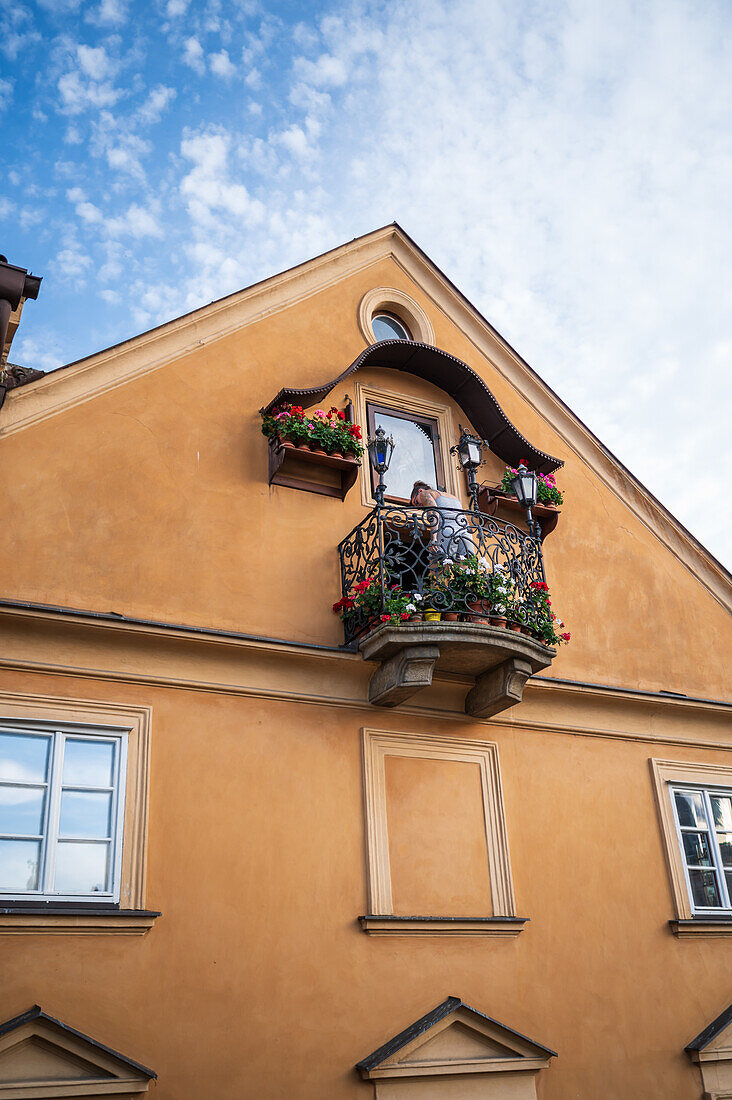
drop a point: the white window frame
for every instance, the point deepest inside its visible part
(52, 807)
(717, 867)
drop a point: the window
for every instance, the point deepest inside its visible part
(61, 812)
(694, 802)
(416, 455)
(704, 821)
(387, 327)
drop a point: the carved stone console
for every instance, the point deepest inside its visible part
(500, 660)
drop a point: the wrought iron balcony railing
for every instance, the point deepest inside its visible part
(433, 552)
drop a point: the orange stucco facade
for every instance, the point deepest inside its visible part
(136, 483)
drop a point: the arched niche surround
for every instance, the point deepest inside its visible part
(449, 374)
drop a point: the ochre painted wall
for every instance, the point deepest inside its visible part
(257, 981)
(152, 501)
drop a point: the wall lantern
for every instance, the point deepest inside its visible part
(524, 489)
(469, 450)
(380, 448)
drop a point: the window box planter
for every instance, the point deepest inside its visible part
(492, 501)
(311, 471)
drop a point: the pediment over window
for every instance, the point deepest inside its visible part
(42, 1057)
(452, 376)
(481, 1057)
(712, 1049)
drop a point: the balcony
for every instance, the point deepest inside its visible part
(428, 589)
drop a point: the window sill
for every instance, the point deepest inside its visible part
(76, 922)
(441, 926)
(702, 926)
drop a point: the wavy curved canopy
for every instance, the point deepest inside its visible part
(449, 374)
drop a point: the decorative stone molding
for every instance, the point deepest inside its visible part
(501, 660)
(712, 1051)
(380, 744)
(456, 1051)
(387, 299)
(42, 1057)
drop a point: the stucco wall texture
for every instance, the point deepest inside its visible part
(152, 500)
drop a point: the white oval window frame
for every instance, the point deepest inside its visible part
(386, 299)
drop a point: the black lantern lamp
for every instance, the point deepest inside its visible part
(380, 447)
(524, 489)
(469, 450)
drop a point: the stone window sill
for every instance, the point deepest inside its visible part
(702, 926)
(76, 921)
(441, 926)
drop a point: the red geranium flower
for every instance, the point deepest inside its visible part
(385, 618)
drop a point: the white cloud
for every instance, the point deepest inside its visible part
(157, 101)
(193, 55)
(175, 8)
(221, 65)
(327, 71)
(109, 13)
(95, 62)
(137, 221)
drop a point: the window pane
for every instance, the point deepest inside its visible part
(696, 849)
(81, 868)
(725, 847)
(88, 763)
(385, 327)
(21, 810)
(85, 813)
(19, 861)
(23, 758)
(690, 808)
(704, 888)
(722, 811)
(413, 458)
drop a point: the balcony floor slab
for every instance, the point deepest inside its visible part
(501, 661)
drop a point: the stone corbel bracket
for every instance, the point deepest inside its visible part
(409, 654)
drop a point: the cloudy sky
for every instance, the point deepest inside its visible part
(566, 163)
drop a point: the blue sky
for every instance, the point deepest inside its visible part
(567, 164)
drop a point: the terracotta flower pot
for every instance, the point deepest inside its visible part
(336, 454)
(498, 620)
(316, 449)
(526, 630)
(479, 610)
(450, 616)
(417, 617)
(303, 447)
(515, 626)
(288, 443)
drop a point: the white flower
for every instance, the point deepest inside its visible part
(447, 561)
(499, 608)
(410, 607)
(416, 596)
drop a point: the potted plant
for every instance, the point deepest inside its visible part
(320, 431)
(546, 487)
(366, 604)
(470, 583)
(549, 629)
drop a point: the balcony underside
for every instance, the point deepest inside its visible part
(500, 661)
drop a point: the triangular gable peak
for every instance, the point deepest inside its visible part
(456, 1041)
(712, 1049)
(42, 1057)
(87, 378)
